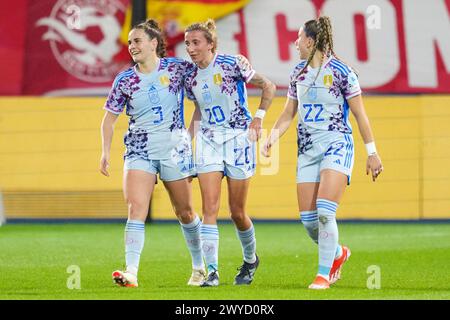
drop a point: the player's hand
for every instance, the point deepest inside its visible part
(254, 131)
(104, 165)
(374, 166)
(265, 151)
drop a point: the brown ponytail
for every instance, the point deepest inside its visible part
(321, 31)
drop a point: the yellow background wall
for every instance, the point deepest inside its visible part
(50, 150)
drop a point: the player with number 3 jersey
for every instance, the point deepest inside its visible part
(157, 141)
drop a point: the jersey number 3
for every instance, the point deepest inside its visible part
(158, 111)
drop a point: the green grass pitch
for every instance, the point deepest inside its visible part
(412, 259)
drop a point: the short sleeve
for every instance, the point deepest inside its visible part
(292, 88)
(350, 85)
(116, 101)
(245, 71)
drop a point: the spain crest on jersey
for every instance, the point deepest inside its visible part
(217, 79)
(328, 80)
(164, 80)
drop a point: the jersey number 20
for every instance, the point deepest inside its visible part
(242, 156)
(215, 115)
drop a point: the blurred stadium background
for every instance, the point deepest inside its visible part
(59, 57)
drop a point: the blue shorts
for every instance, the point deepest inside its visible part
(234, 157)
(329, 151)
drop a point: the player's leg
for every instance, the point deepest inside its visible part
(138, 185)
(336, 169)
(209, 166)
(331, 189)
(237, 198)
(240, 167)
(180, 193)
(210, 187)
(308, 177)
(306, 197)
(331, 156)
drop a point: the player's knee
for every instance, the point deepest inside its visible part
(211, 208)
(137, 209)
(236, 209)
(238, 216)
(185, 215)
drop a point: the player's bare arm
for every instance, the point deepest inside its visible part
(373, 165)
(108, 122)
(281, 125)
(268, 92)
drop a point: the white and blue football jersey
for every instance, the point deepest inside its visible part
(220, 91)
(154, 103)
(322, 99)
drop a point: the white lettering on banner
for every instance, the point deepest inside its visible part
(427, 27)
(383, 62)
(267, 30)
(266, 41)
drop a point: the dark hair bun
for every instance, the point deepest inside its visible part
(153, 24)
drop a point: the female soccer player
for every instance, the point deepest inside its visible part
(322, 90)
(156, 142)
(225, 143)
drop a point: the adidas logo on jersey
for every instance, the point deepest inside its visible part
(205, 87)
(337, 161)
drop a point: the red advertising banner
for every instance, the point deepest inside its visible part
(73, 46)
(76, 47)
(397, 46)
(12, 42)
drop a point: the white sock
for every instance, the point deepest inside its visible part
(209, 237)
(134, 243)
(310, 220)
(328, 235)
(248, 244)
(191, 232)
